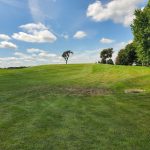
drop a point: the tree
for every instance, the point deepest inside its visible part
(110, 61)
(122, 58)
(141, 32)
(66, 55)
(106, 54)
(103, 61)
(131, 53)
(127, 56)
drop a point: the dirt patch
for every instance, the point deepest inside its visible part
(87, 91)
(90, 91)
(134, 91)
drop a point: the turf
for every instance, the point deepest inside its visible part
(75, 107)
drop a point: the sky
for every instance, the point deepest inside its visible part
(36, 32)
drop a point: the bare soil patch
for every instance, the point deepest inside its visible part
(90, 91)
(134, 91)
(87, 91)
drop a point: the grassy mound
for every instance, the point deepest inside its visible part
(75, 107)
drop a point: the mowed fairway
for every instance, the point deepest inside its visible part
(75, 107)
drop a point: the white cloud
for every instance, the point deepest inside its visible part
(36, 33)
(118, 46)
(14, 3)
(120, 11)
(46, 55)
(65, 36)
(6, 44)
(86, 56)
(42, 10)
(27, 59)
(37, 37)
(35, 10)
(4, 37)
(32, 27)
(80, 34)
(7, 58)
(106, 41)
(36, 56)
(34, 50)
(19, 54)
(142, 8)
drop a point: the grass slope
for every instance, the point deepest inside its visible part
(55, 107)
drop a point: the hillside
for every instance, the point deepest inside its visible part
(75, 107)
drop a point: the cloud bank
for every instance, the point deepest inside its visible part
(119, 11)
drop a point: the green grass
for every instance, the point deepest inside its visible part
(38, 111)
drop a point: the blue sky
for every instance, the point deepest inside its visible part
(34, 32)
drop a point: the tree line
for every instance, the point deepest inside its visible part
(137, 52)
